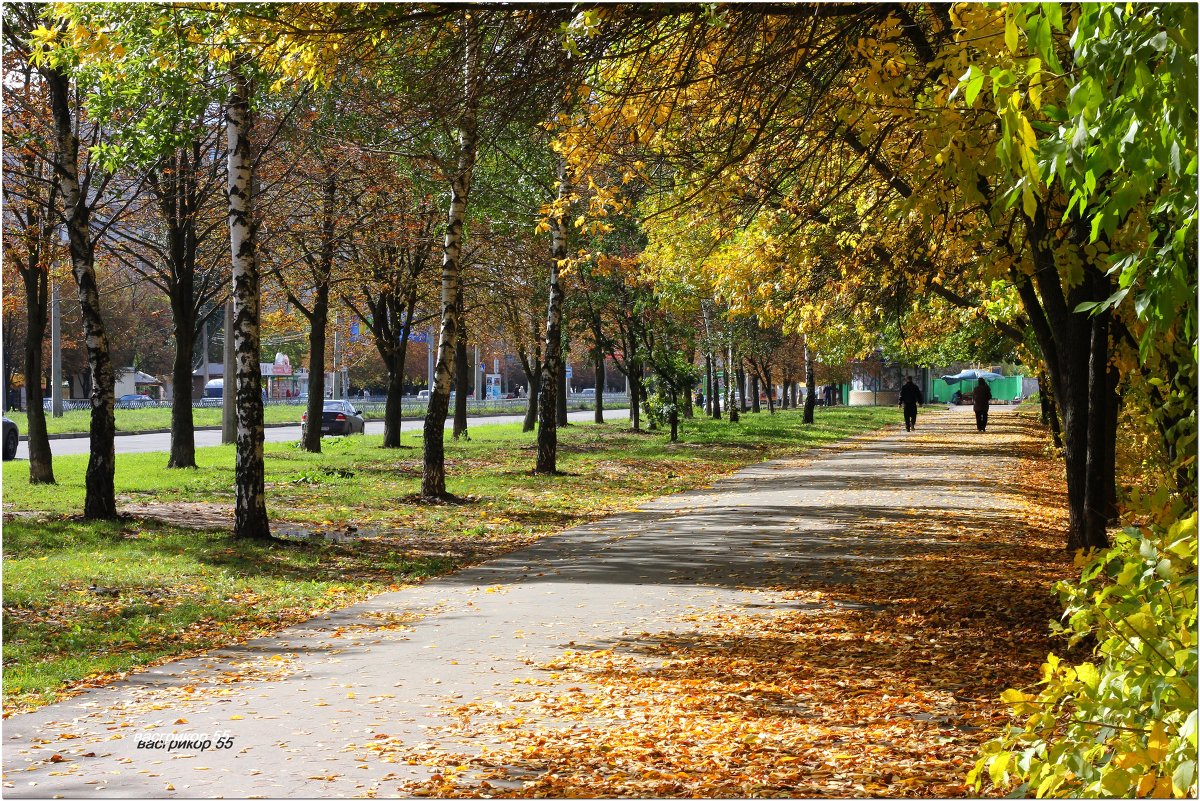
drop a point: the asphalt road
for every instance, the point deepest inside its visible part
(149, 443)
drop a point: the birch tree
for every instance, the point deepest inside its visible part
(250, 512)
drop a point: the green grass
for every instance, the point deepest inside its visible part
(163, 590)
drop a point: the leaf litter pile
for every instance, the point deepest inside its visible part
(885, 685)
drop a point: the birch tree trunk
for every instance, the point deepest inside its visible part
(100, 499)
(433, 478)
(552, 367)
(250, 514)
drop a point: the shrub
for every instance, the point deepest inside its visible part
(1126, 724)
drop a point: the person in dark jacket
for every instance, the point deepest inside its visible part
(910, 396)
(983, 398)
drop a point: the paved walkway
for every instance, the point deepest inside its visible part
(289, 715)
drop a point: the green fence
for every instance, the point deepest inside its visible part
(1003, 389)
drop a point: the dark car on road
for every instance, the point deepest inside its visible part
(339, 417)
(134, 401)
(10, 439)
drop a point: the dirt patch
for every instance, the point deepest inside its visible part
(185, 514)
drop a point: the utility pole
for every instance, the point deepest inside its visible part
(479, 374)
(228, 416)
(337, 348)
(429, 357)
(56, 398)
(203, 359)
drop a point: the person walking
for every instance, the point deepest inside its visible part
(983, 399)
(910, 396)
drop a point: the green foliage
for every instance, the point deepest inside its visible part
(1126, 724)
(1125, 154)
(1122, 149)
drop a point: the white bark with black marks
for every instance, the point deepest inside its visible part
(433, 477)
(250, 517)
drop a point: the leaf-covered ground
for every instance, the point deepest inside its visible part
(885, 685)
(86, 603)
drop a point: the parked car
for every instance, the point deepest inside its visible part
(587, 394)
(423, 395)
(338, 417)
(10, 439)
(134, 401)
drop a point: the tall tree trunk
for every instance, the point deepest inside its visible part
(462, 372)
(754, 393)
(716, 392)
(1109, 439)
(175, 184)
(533, 375)
(41, 461)
(393, 415)
(100, 501)
(708, 384)
(393, 409)
(1049, 409)
(785, 402)
(318, 317)
(318, 324)
(601, 376)
(741, 386)
(635, 396)
(810, 386)
(1101, 480)
(553, 374)
(183, 428)
(674, 414)
(433, 478)
(770, 390)
(1066, 339)
(250, 514)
